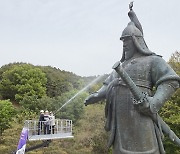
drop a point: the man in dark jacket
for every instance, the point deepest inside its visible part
(40, 123)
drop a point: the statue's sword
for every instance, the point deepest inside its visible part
(141, 98)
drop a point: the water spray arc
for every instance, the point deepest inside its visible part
(86, 87)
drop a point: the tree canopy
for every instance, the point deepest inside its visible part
(22, 80)
(7, 112)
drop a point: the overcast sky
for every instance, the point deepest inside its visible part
(82, 36)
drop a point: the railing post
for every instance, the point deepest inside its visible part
(61, 125)
(66, 126)
(35, 127)
(57, 126)
(71, 126)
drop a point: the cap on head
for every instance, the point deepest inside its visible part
(42, 111)
(131, 30)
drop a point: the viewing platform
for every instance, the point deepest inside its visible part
(43, 131)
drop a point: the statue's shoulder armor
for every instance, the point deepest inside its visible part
(155, 58)
(148, 59)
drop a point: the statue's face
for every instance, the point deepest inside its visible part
(128, 47)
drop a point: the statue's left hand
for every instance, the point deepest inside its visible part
(145, 106)
(150, 106)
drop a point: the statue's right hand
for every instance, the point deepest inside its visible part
(91, 99)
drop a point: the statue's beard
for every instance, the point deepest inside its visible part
(128, 54)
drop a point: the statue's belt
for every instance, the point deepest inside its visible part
(138, 82)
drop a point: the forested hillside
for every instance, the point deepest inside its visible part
(26, 89)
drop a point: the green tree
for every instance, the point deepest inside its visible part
(7, 112)
(170, 111)
(174, 62)
(22, 80)
(33, 103)
(59, 82)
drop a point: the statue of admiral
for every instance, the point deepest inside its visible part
(133, 128)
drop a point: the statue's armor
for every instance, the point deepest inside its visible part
(131, 132)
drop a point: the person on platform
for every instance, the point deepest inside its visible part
(40, 123)
(52, 122)
(46, 122)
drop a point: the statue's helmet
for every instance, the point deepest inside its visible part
(137, 36)
(131, 30)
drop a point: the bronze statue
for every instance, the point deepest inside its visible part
(131, 104)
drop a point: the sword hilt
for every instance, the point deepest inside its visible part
(142, 100)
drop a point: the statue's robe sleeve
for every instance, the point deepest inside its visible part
(162, 72)
(110, 78)
(165, 80)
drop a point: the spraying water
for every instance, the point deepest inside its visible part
(91, 83)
